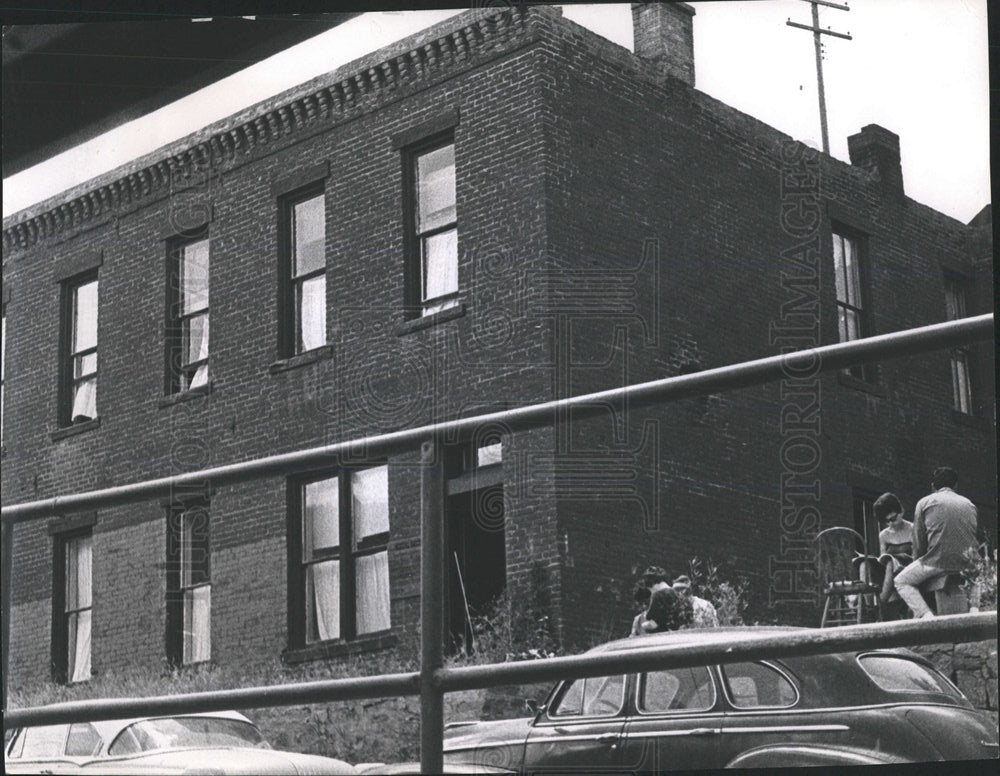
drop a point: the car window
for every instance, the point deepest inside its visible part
(677, 689)
(42, 741)
(599, 696)
(176, 732)
(898, 674)
(757, 685)
(83, 740)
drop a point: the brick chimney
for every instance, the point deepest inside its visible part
(876, 149)
(664, 36)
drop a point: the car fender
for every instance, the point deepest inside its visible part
(800, 755)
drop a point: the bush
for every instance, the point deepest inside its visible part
(729, 598)
(981, 570)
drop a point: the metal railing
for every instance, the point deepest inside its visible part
(433, 680)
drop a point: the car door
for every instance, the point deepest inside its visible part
(580, 728)
(764, 701)
(676, 722)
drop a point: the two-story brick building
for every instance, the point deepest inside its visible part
(501, 210)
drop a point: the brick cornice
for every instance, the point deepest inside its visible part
(351, 90)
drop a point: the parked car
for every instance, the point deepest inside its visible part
(210, 743)
(854, 708)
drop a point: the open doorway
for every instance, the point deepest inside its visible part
(476, 551)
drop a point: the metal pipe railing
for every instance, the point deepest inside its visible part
(433, 680)
(769, 643)
(742, 375)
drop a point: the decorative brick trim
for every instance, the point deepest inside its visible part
(61, 525)
(446, 120)
(77, 264)
(356, 89)
(300, 179)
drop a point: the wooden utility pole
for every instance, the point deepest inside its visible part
(816, 31)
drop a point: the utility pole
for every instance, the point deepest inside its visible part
(816, 31)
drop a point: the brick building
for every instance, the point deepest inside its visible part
(501, 210)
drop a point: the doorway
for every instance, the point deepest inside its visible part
(476, 537)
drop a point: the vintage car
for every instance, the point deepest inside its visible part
(855, 708)
(210, 743)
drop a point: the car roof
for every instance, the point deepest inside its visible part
(702, 636)
(109, 728)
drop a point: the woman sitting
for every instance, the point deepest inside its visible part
(895, 540)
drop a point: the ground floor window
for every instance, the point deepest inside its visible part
(339, 559)
(189, 585)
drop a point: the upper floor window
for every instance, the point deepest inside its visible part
(3, 369)
(189, 584)
(79, 388)
(961, 384)
(188, 316)
(433, 275)
(71, 651)
(303, 324)
(340, 579)
(848, 273)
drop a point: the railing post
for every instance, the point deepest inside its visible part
(431, 607)
(7, 559)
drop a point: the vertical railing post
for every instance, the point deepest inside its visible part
(7, 559)
(431, 606)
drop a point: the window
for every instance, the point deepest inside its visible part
(961, 385)
(898, 674)
(71, 644)
(599, 696)
(189, 585)
(433, 272)
(3, 368)
(303, 305)
(850, 305)
(79, 401)
(341, 574)
(757, 685)
(676, 689)
(187, 323)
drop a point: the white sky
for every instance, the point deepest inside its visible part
(917, 67)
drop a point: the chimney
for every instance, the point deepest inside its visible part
(876, 149)
(664, 37)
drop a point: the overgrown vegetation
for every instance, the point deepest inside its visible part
(730, 598)
(981, 570)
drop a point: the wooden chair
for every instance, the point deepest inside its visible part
(848, 577)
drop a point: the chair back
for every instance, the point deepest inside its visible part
(836, 551)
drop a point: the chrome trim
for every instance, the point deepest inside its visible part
(784, 728)
(702, 731)
(849, 709)
(481, 745)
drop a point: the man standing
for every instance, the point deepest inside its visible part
(704, 613)
(944, 528)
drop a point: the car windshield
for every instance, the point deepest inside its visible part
(176, 732)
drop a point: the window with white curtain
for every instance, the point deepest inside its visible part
(955, 308)
(435, 229)
(304, 324)
(78, 554)
(848, 276)
(80, 370)
(189, 585)
(188, 324)
(343, 523)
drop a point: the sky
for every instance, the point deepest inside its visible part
(916, 67)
